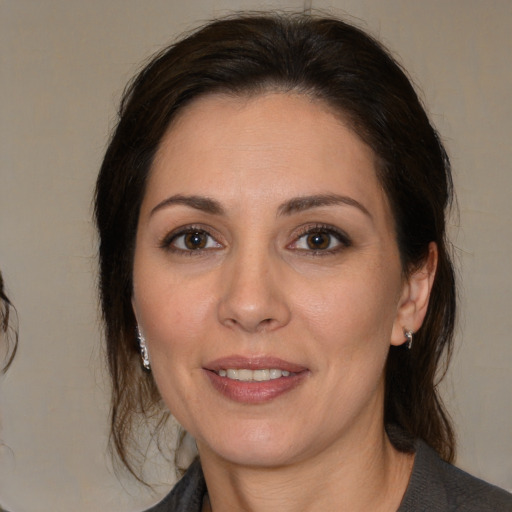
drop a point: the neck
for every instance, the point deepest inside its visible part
(356, 477)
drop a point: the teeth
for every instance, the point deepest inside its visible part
(275, 374)
(261, 375)
(246, 375)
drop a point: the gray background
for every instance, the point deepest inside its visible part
(63, 65)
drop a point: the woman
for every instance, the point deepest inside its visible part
(275, 273)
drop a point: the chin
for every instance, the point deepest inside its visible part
(252, 446)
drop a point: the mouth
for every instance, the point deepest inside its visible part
(248, 375)
(254, 380)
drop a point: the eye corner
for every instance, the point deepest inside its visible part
(320, 240)
(190, 240)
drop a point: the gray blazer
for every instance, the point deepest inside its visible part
(435, 486)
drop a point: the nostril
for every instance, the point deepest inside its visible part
(252, 301)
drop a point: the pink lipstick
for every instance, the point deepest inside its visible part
(254, 380)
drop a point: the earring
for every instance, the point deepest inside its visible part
(408, 338)
(143, 350)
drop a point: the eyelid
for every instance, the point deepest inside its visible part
(167, 241)
(340, 235)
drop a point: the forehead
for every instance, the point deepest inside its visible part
(263, 148)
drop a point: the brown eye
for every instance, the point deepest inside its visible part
(318, 241)
(191, 240)
(195, 240)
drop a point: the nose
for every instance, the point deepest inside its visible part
(254, 297)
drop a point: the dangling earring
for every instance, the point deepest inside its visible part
(143, 350)
(408, 338)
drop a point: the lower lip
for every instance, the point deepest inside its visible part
(254, 392)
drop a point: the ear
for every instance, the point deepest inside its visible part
(413, 303)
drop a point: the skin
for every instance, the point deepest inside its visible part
(260, 287)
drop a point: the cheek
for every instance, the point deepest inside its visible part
(350, 323)
(173, 314)
(351, 307)
(174, 320)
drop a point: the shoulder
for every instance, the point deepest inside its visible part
(187, 495)
(436, 486)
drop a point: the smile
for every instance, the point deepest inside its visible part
(247, 375)
(254, 380)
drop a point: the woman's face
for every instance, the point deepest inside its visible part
(267, 279)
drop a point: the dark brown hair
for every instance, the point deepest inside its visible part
(8, 333)
(348, 70)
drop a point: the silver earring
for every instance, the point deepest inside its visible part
(408, 338)
(143, 350)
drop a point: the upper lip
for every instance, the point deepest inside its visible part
(253, 363)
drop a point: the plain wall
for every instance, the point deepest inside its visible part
(63, 64)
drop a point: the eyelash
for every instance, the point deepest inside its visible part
(341, 237)
(171, 238)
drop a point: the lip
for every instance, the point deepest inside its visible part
(254, 392)
(254, 363)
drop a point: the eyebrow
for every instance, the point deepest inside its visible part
(294, 205)
(299, 204)
(204, 204)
